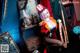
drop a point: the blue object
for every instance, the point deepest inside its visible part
(0, 13)
(11, 21)
(76, 29)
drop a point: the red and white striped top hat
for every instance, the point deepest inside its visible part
(40, 8)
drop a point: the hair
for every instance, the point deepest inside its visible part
(24, 4)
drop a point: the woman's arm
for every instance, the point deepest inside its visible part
(55, 41)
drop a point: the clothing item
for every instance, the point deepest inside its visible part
(49, 23)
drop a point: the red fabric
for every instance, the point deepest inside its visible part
(44, 30)
(46, 3)
(45, 50)
(75, 20)
(54, 34)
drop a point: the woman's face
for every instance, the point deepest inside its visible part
(45, 14)
(21, 4)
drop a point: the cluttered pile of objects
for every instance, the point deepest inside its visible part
(42, 28)
(39, 15)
